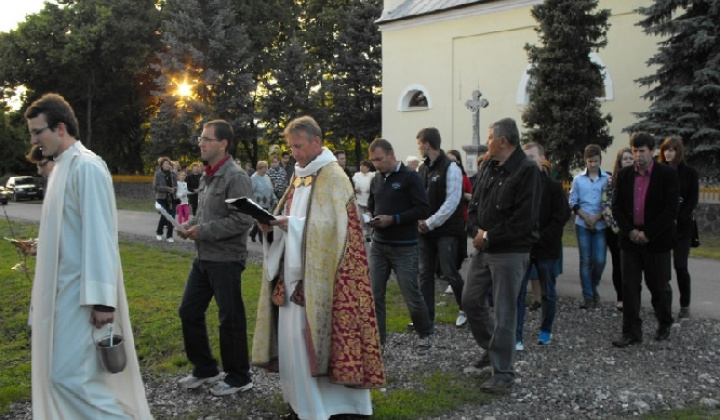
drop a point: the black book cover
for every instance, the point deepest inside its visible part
(248, 206)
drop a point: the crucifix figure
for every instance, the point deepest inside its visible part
(474, 105)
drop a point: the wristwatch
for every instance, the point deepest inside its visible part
(485, 238)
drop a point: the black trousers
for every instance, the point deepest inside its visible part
(656, 268)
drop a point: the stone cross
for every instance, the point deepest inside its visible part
(474, 105)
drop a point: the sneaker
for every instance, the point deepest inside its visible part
(461, 319)
(171, 240)
(684, 313)
(587, 304)
(158, 237)
(411, 326)
(619, 306)
(544, 338)
(519, 346)
(424, 345)
(448, 291)
(223, 388)
(192, 381)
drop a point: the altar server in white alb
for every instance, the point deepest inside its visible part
(78, 281)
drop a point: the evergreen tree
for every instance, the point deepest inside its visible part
(356, 82)
(685, 89)
(207, 48)
(564, 113)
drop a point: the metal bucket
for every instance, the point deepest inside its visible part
(111, 350)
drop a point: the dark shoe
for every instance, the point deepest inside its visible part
(495, 385)
(596, 302)
(535, 306)
(662, 333)
(587, 304)
(684, 313)
(626, 341)
(411, 326)
(480, 365)
(619, 306)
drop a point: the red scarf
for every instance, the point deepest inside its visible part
(210, 170)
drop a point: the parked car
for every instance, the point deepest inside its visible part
(23, 188)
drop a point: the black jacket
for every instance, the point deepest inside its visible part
(689, 195)
(403, 196)
(506, 204)
(554, 212)
(661, 208)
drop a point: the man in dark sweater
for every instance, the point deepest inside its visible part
(545, 254)
(439, 233)
(397, 200)
(502, 219)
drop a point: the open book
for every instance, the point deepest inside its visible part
(248, 206)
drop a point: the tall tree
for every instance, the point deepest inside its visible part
(356, 80)
(685, 89)
(207, 48)
(564, 113)
(95, 53)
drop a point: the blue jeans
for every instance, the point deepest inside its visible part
(591, 245)
(404, 260)
(546, 271)
(501, 273)
(440, 250)
(221, 280)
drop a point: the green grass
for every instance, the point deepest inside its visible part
(136, 204)
(709, 243)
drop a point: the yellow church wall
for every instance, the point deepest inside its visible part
(449, 59)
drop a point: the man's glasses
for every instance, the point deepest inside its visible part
(37, 131)
(205, 139)
(42, 164)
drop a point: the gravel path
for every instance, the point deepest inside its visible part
(580, 375)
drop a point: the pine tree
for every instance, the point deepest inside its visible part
(685, 89)
(564, 113)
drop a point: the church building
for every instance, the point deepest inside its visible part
(436, 53)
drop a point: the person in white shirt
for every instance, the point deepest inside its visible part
(362, 181)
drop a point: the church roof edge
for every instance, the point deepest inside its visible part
(414, 8)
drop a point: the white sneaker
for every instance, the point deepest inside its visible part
(158, 237)
(191, 381)
(448, 291)
(223, 388)
(461, 319)
(171, 240)
(519, 346)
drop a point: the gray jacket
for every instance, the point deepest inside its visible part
(160, 186)
(222, 229)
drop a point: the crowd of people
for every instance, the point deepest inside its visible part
(329, 252)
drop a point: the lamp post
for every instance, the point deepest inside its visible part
(473, 150)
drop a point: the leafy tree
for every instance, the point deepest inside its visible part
(95, 53)
(685, 89)
(207, 47)
(564, 114)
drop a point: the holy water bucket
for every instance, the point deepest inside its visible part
(111, 350)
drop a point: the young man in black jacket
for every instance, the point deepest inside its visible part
(545, 254)
(502, 220)
(398, 200)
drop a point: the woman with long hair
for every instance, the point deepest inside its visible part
(624, 158)
(672, 153)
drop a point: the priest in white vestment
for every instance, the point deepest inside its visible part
(316, 319)
(78, 282)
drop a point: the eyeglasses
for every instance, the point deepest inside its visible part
(206, 139)
(37, 131)
(42, 164)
